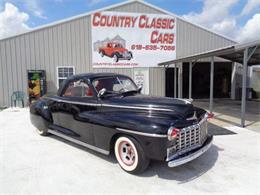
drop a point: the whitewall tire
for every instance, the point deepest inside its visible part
(130, 155)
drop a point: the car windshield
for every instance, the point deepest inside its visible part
(115, 85)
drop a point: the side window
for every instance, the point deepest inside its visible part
(78, 88)
(107, 83)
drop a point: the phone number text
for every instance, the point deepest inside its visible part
(153, 47)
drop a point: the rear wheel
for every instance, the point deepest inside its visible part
(130, 155)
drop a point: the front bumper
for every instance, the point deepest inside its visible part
(189, 156)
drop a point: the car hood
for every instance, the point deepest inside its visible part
(151, 103)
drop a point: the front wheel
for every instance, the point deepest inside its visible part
(130, 155)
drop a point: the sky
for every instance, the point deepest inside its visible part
(236, 19)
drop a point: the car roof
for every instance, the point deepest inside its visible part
(92, 76)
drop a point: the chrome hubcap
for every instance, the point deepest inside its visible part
(126, 153)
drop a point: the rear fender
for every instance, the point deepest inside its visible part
(40, 115)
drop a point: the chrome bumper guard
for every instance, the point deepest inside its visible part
(187, 157)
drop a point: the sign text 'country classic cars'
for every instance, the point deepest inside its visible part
(127, 39)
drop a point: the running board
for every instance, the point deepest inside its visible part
(78, 142)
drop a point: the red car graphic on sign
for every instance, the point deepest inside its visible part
(115, 51)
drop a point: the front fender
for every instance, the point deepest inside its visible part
(107, 125)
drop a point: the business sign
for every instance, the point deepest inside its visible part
(141, 78)
(132, 39)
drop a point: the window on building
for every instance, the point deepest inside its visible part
(63, 73)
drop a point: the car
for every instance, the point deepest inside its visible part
(106, 112)
(115, 51)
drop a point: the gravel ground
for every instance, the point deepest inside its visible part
(31, 164)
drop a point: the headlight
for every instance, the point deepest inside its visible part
(172, 133)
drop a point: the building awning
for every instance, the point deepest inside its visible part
(233, 53)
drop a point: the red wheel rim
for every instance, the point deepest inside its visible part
(126, 153)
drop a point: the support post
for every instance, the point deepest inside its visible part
(211, 85)
(243, 103)
(175, 81)
(233, 81)
(190, 80)
(180, 73)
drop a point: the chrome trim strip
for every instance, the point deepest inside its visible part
(73, 102)
(78, 142)
(180, 161)
(186, 101)
(203, 119)
(141, 133)
(109, 105)
(137, 107)
(194, 117)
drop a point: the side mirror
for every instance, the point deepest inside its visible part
(139, 89)
(102, 92)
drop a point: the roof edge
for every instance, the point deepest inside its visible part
(181, 18)
(71, 18)
(111, 7)
(196, 56)
(216, 52)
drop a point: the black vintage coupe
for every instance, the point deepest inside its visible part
(106, 112)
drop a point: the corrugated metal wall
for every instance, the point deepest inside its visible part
(191, 39)
(69, 43)
(61, 45)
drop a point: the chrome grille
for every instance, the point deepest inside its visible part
(203, 131)
(192, 137)
(189, 138)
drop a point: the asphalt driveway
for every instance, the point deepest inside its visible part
(31, 164)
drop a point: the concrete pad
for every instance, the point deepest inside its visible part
(31, 164)
(228, 112)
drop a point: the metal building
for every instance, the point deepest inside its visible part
(64, 46)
